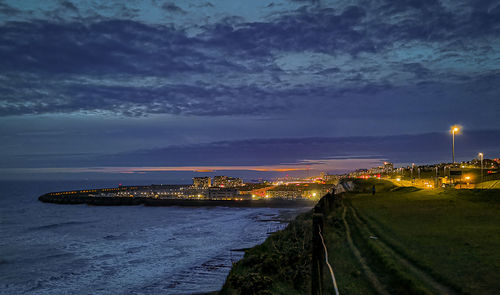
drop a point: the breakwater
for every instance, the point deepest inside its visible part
(129, 201)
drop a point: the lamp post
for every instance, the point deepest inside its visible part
(454, 129)
(437, 178)
(412, 167)
(481, 157)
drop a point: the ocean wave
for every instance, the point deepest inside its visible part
(57, 225)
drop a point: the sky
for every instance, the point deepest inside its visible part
(171, 89)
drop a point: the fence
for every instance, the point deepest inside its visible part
(320, 251)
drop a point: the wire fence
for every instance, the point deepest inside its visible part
(320, 260)
(328, 263)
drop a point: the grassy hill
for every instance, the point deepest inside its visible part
(402, 240)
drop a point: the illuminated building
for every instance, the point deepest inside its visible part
(202, 182)
(329, 177)
(388, 167)
(299, 191)
(285, 194)
(219, 193)
(225, 181)
(220, 181)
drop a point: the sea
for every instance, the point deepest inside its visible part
(81, 249)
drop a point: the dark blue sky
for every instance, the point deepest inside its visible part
(244, 83)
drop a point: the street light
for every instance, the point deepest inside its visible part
(436, 183)
(454, 129)
(481, 157)
(412, 167)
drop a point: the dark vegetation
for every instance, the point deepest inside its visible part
(281, 265)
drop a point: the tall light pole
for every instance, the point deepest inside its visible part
(454, 130)
(412, 167)
(481, 157)
(436, 183)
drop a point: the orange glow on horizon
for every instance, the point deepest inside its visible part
(303, 165)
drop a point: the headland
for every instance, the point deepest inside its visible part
(130, 201)
(201, 193)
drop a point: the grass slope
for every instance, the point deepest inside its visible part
(282, 264)
(452, 234)
(414, 242)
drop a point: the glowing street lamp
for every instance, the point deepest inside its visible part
(481, 157)
(454, 130)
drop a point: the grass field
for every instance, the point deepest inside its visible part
(453, 236)
(492, 184)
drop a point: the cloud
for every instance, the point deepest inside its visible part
(306, 165)
(429, 147)
(171, 7)
(6, 9)
(111, 46)
(280, 153)
(312, 58)
(69, 6)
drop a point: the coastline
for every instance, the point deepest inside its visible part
(292, 209)
(270, 266)
(92, 239)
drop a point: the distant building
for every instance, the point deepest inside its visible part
(220, 181)
(225, 181)
(299, 191)
(376, 170)
(388, 167)
(329, 177)
(285, 194)
(219, 193)
(359, 172)
(202, 182)
(190, 192)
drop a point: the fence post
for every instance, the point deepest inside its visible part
(317, 256)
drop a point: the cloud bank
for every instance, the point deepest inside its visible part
(301, 56)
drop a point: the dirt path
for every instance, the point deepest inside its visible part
(379, 287)
(416, 271)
